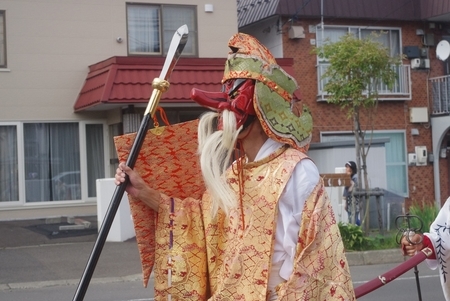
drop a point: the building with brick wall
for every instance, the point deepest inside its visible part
(414, 114)
(71, 81)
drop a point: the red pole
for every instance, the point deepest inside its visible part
(387, 277)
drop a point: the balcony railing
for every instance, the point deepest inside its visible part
(440, 94)
(401, 89)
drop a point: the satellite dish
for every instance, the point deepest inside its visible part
(443, 50)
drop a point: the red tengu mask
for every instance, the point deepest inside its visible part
(236, 96)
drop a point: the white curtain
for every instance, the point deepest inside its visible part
(330, 35)
(173, 18)
(389, 38)
(143, 29)
(95, 156)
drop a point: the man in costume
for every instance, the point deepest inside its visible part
(438, 240)
(264, 229)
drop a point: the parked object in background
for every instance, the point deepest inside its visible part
(62, 187)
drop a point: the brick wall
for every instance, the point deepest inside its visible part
(389, 115)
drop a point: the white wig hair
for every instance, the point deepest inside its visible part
(216, 149)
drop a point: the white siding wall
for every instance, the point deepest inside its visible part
(267, 33)
(50, 45)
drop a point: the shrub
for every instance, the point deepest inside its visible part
(353, 237)
(381, 242)
(426, 212)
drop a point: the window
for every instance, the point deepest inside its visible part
(9, 164)
(41, 162)
(2, 39)
(389, 37)
(396, 162)
(52, 162)
(151, 28)
(94, 156)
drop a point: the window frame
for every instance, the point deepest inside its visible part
(20, 164)
(358, 29)
(164, 36)
(82, 128)
(3, 45)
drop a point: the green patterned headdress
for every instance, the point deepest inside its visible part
(274, 90)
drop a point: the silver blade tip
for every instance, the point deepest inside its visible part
(183, 30)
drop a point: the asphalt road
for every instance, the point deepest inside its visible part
(403, 288)
(131, 289)
(36, 267)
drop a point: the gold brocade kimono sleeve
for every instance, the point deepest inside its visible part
(168, 162)
(180, 269)
(321, 270)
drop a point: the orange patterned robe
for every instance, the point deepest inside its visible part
(229, 258)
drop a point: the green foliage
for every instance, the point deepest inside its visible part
(426, 212)
(388, 241)
(357, 67)
(354, 239)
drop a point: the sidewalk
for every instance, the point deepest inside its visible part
(36, 254)
(393, 256)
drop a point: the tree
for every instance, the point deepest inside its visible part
(357, 68)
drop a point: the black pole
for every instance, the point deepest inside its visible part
(416, 270)
(110, 214)
(159, 85)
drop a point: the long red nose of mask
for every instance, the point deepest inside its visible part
(237, 96)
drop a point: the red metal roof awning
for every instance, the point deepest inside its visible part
(121, 81)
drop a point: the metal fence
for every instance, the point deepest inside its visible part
(440, 94)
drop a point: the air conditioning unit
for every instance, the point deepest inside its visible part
(418, 114)
(420, 63)
(296, 32)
